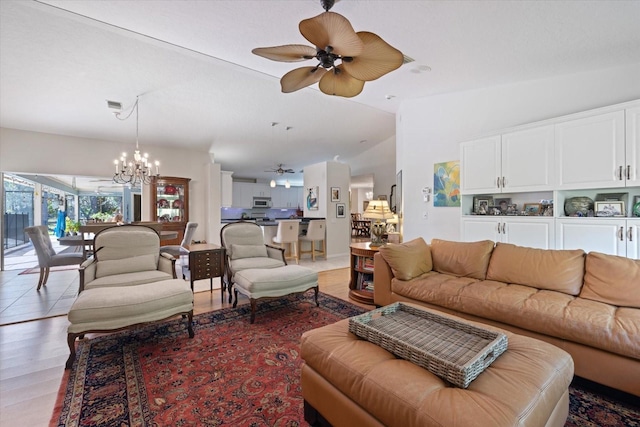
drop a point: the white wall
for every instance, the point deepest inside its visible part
(429, 130)
(379, 160)
(48, 154)
(326, 175)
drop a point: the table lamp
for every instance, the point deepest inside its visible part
(377, 210)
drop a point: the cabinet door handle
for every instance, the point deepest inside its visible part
(621, 234)
(503, 181)
(620, 173)
(499, 228)
(504, 228)
(628, 172)
(631, 234)
(498, 182)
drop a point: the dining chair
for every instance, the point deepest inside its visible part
(178, 250)
(47, 256)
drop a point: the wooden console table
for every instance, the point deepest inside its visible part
(206, 261)
(361, 283)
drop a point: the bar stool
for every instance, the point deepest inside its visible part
(315, 233)
(287, 233)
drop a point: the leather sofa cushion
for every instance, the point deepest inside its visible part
(408, 260)
(463, 259)
(126, 265)
(556, 270)
(612, 280)
(547, 312)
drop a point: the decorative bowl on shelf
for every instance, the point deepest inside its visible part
(170, 190)
(177, 204)
(578, 206)
(163, 203)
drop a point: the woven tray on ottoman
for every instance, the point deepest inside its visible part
(453, 350)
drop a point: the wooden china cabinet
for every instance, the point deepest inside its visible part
(170, 205)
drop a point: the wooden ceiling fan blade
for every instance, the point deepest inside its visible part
(286, 53)
(377, 59)
(340, 84)
(332, 29)
(301, 78)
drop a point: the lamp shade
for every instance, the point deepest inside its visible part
(378, 209)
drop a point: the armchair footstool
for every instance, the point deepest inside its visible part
(256, 283)
(111, 309)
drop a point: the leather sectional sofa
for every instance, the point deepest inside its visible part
(585, 304)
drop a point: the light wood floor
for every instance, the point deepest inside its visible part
(33, 354)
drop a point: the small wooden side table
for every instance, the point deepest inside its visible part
(361, 283)
(206, 261)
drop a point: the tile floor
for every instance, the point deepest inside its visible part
(20, 301)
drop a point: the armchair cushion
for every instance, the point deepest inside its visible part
(128, 279)
(248, 251)
(126, 265)
(257, 262)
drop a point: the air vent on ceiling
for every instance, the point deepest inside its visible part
(114, 105)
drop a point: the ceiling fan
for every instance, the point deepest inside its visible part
(280, 171)
(346, 59)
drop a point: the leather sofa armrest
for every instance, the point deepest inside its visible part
(87, 272)
(382, 276)
(275, 253)
(167, 263)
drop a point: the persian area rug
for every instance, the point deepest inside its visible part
(233, 373)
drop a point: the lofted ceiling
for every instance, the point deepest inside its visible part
(202, 88)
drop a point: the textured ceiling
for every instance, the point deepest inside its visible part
(202, 87)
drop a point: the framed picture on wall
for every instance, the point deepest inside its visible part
(340, 210)
(335, 194)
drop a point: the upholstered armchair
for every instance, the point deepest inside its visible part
(47, 256)
(245, 249)
(126, 255)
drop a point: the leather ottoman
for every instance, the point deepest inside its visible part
(348, 381)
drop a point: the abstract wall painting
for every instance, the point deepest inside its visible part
(446, 184)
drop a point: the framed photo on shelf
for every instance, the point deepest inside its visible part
(335, 194)
(533, 209)
(503, 204)
(609, 208)
(340, 210)
(481, 205)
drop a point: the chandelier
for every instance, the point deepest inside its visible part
(139, 170)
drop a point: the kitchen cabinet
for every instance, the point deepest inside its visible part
(226, 189)
(170, 205)
(242, 195)
(633, 238)
(591, 153)
(286, 198)
(533, 231)
(515, 161)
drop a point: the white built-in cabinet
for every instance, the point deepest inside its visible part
(514, 161)
(522, 231)
(589, 153)
(243, 193)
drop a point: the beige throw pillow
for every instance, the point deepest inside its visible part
(248, 251)
(612, 280)
(133, 264)
(407, 260)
